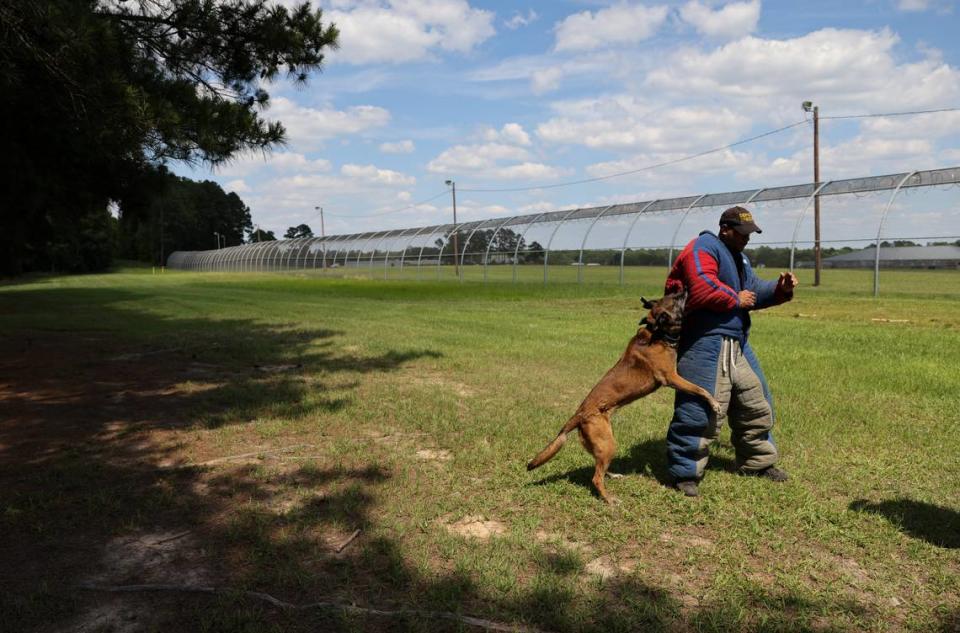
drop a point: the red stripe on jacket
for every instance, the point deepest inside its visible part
(706, 290)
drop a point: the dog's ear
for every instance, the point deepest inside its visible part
(647, 304)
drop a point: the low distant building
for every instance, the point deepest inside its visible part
(899, 257)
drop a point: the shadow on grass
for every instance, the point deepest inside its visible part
(93, 418)
(934, 524)
(647, 459)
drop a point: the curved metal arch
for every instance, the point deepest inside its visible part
(313, 241)
(546, 254)
(676, 231)
(225, 254)
(803, 212)
(584, 243)
(516, 251)
(444, 245)
(374, 251)
(222, 258)
(623, 249)
(234, 254)
(259, 255)
(883, 218)
(294, 249)
(269, 255)
(205, 263)
(436, 229)
(489, 245)
(301, 260)
(340, 242)
(367, 241)
(386, 259)
(350, 241)
(463, 254)
(409, 242)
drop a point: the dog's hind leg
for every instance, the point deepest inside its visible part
(597, 437)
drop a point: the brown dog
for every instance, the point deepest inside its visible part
(650, 362)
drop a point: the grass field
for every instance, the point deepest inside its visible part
(235, 431)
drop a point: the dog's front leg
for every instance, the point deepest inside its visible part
(680, 383)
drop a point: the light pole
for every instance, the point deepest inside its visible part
(218, 239)
(223, 236)
(456, 245)
(809, 107)
(323, 238)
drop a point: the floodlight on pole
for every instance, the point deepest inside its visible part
(809, 107)
(456, 245)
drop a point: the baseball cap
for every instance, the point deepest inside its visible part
(740, 219)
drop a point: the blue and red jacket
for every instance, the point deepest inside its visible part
(709, 272)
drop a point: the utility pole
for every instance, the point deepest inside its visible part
(456, 245)
(323, 240)
(816, 183)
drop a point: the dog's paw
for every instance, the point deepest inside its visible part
(615, 475)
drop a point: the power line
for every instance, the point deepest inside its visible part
(889, 114)
(647, 168)
(370, 215)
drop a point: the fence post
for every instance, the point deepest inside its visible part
(623, 249)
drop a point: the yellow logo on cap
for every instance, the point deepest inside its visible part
(746, 217)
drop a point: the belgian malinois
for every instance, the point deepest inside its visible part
(649, 362)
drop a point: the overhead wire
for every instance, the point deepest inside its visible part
(640, 169)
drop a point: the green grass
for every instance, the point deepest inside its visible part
(865, 536)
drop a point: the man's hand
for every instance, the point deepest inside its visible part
(748, 299)
(787, 282)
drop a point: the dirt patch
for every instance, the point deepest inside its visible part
(436, 380)
(605, 567)
(477, 527)
(562, 542)
(438, 454)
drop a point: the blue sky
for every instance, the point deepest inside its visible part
(504, 95)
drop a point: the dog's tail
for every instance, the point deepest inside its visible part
(554, 447)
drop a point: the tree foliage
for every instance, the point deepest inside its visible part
(179, 214)
(301, 230)
(99, 92)
(259, 235)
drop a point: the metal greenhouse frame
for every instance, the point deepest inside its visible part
(348, 250)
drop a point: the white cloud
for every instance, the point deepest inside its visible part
(460, 158)
(491, 160)
(311, 126)
(512, 133)
(618, 25)
(398, 31)
(519, 20)
(730, 21)
(843, 68)
(250, 163)
(546, 80)
(627, 122)
(400, 147)
(913, 5)
(238, 186)
(372, 174)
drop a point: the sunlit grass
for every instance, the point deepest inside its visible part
(483, 375)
